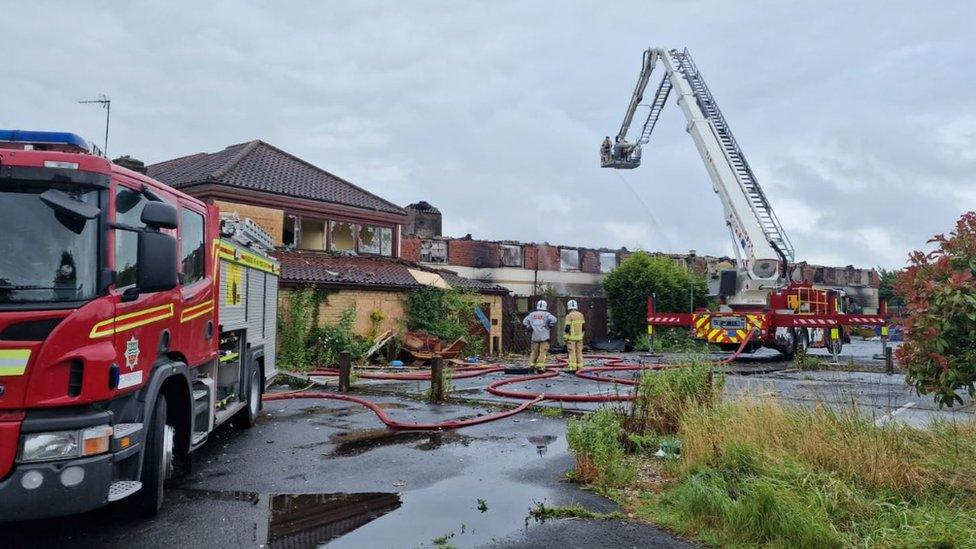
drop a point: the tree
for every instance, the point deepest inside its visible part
(886, 290)
(939, 352)
(641, 275)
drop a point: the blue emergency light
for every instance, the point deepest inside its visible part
(50, 140)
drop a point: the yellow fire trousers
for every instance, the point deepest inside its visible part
(537, 357)
(574, 351)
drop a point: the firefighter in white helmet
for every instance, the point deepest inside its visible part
(539, 321)
(574, 335)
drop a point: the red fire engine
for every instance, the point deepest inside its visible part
(758, 299)
(133, 321)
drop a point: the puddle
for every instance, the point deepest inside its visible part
(310, 520)
(358, 442)
(542, 443)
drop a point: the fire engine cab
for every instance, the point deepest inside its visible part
(133, 322)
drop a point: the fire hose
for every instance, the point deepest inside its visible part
(611, 363)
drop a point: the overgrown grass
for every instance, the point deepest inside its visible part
(664, 395)
(767, 474)
(677, 340)
(803, 361)
(595, 440)
(550, 411)
(761, 473)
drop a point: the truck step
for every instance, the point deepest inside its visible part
(198, 438)
(199, 394)
(122, 489)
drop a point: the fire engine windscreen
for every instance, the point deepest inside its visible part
(49, 246)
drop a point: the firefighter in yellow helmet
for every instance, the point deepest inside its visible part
(574, 335)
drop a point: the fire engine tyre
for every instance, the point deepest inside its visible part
(247, 417)
(157, 461)
(802, 340)
(789, 350)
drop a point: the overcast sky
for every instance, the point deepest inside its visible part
(860, 121)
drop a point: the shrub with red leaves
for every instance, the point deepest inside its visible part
(939, 353)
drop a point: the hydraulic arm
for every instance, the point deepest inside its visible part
(762, 248)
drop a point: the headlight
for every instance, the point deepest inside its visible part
(65, 444)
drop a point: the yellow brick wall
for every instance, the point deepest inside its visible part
(392, 307)
(269, 219)
(389, 304)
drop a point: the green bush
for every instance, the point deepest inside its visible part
(628, 286)
(295, 321)
(447, 314)
(595, 440)
(663, 396)
(678, 340)
(326, 341)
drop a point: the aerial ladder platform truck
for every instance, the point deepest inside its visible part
(760, 306)
(133, 322)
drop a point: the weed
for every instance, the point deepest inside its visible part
(803, 361)
(763, 474)
(663, 396)
(482, 505)
(447, 314)
(595, 440)
(542, 513)
(550, 411)
(447, 384)
(442, 542)
(677, 340)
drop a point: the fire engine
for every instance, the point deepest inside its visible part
(758, 301)
(133, 322)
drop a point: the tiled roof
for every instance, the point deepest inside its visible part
(324, 268)
(258, 166)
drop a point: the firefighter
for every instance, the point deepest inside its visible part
(605, 148)
(574, 335)
(539, 321)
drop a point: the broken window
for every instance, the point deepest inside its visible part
(511, 255)
(608, 261)
(369, 241)
(312, 235)
(289, 230)
(522, 304)
(569, 259)
(433, 251)
(341, 236)
(386, 240)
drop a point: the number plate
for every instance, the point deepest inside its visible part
(729, 323)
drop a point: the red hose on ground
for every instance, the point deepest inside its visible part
(611, 363)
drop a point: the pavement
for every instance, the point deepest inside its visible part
(315, 473)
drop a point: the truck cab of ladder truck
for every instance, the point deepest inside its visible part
(90, 335)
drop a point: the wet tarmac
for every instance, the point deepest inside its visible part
(324, 473)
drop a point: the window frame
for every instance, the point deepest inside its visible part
(203, 243)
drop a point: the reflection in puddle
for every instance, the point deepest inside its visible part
(354, 443)
(309, 520)
(542, 443)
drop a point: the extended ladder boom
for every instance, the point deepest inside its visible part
(761, 246)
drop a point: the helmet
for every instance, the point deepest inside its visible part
(572, 305)
(541, 305)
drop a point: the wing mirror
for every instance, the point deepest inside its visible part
(159, 215)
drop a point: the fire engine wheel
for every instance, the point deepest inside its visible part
(247, 417)
(792, 344)
(157, 461)
(802, 340)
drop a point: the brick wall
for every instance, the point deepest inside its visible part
(474, 253)
(410, 247)
(530, 257)
(391, 305)
(589, 261)
(269, 219)
(548, 257)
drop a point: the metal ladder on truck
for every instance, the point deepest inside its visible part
(771, 225)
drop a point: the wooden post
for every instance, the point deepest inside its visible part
(437, 379)
(345, 369)
(889, 361)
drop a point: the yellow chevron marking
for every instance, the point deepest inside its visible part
(116, 325)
